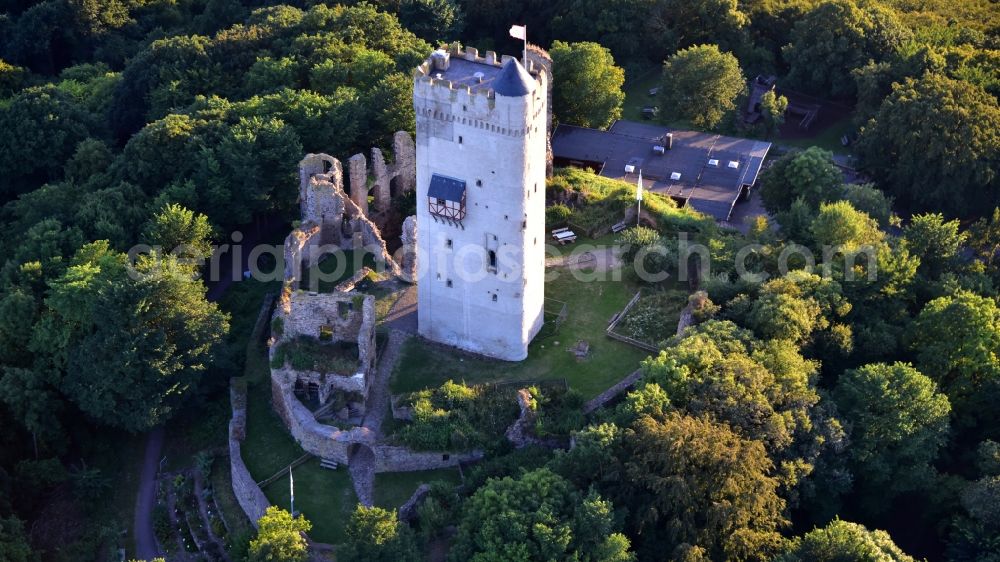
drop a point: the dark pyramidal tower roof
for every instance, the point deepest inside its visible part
(513, 80)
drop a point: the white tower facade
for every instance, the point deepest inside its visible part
(481, 156)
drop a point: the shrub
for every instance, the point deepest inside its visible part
(557, 215)
(456, 416)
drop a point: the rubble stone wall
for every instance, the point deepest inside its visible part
(248, 494)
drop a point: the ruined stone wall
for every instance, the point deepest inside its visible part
(342, 220)
(339, 312)
(408, 260)
(248, 494)
(296, 245)
(304, 314)
(324, 441)
(391, 458)
(379, 178)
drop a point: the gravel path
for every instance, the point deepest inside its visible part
(361, 464)
(378, 397)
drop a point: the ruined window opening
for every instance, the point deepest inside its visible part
(445, 457)
(325, 333)
(344, 308)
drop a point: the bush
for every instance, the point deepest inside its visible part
(459, 417)
(557, 216)
(558, 411)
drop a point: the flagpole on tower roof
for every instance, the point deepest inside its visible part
(521, 32)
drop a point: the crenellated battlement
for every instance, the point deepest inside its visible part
(435, 78)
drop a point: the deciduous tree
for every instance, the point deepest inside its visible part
(841, 541)
(935, 146)
(810, 175)
(279, 537)
(897, 420)
(588, 86)
(700, 84)
(375, 535)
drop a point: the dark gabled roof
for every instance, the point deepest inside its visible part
(513, 80)
(449, 189)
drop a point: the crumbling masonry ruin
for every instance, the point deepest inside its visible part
(339, 326)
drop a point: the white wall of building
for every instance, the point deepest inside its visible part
(497, 146)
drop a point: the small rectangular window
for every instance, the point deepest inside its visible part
(448, 243)
(448, 283)
(479, 183)
(494, 297)
(459, 139)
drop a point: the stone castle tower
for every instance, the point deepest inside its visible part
(481, 163)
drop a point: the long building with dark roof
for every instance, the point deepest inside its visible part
(709, 172)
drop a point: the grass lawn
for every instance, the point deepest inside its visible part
(637, 93)
(590, 306)
(393, 489)
(325, 497)
(827, 139)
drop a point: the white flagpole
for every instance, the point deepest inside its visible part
(638, 196)
(525, 59)
(291, 492)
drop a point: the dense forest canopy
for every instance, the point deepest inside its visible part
(802, 415)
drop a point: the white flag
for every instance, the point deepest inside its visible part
(638, 191)
(518, 32)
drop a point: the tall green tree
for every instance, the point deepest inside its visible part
(955, 339)
(772, 112)
(537, 516)
(375, 535)
(700, 84)
(810, 175)
(433, 20)
(587, 89)
(984, 238)
(176, 229)
(695, 486)
(841, 225)
(935, 146)
(835, 37)
(898, 421)
(935, 241)
(14, 545)
(279, 538)
(840, 541)
(130, 341)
